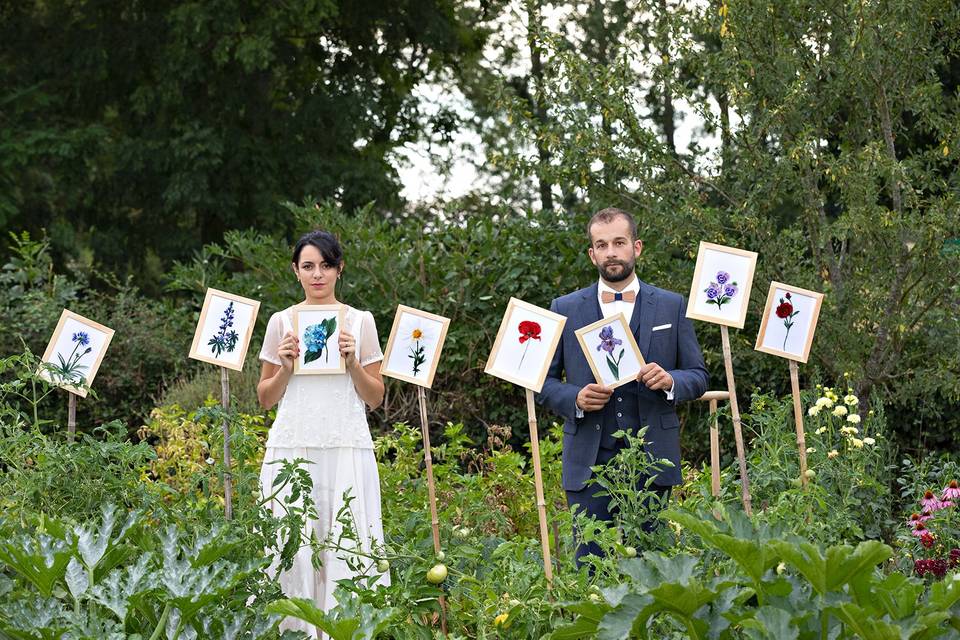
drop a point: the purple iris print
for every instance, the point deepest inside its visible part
(721, 290)
(608, 343)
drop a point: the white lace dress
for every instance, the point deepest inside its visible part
(322, 419)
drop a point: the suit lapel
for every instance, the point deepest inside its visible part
(591, 307)
(641, 323)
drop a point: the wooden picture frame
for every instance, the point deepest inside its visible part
(786, 303)
(539, 340)
(622, 338)
(80, 332)
(416, 339)
(226, 346)
(721, 271)
(306, 316)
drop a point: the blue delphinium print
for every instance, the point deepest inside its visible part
(608, 343)
(315, 339)
(721, 291)
(226, 338)
(69, 369)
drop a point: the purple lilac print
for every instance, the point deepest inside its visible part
(721, 290)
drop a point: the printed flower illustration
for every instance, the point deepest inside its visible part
(608, 343)
(787, 314)
(315, 339)
(69, 369)
(417, 350)
(721, 290)
(226, 338)
(529, 331)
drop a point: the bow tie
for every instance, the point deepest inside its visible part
(609, 296)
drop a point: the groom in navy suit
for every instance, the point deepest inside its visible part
(675, 371)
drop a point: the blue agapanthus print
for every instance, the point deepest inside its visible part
(226, 338)
(315, 339)
(69, 369)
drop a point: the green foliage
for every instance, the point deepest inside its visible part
(144, 134)
(771, 587)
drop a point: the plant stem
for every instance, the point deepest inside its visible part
(161, 623)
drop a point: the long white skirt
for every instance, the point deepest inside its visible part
(334, 471)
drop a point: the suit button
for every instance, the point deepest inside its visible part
(619, 415)
(619, 399)
(597, 427)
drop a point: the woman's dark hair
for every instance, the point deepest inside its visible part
(325, 242)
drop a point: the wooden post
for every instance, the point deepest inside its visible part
(735, 414)
(798, 419)
(71, 416)
(431, 491)
(713, 397)
(538, 488)
(227, 477)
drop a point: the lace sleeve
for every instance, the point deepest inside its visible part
(369, 347)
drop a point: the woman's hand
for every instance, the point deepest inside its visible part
(288, 351)
(348, 349)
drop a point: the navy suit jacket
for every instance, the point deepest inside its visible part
(631, 405)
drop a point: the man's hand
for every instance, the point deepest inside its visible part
(655, 377)
(593, 397)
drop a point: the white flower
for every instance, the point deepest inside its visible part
(840, 411)
(854, 418)
(811, 450)
(833, 454)
(821, 430)
(857, 442)
(825, 402)
(210, 461)
(814, 410)
(869, 441)
(851, 400)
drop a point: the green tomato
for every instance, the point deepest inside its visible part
(383, 566)
(811, 474)
(437, 574)
(441, 556)
(630, 552)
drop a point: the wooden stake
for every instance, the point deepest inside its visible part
(714, 451)
(713, 397)
(227, 477)
(798, 419)
(735, 414)
(538, 487)
(71, 416)
(431, 491)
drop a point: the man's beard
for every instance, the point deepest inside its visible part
(617, 271)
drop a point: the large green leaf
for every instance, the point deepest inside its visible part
(839, 565)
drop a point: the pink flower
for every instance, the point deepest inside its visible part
(951, 491)
(916, 519)
(919, 530)
(931, 503)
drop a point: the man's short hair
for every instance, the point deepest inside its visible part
(609, 215)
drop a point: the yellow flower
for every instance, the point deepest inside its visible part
(417, 334)
(851, 400)
(857, 442)
(869, 441)
(840, 411)
(833, 454)
(825, 402)
(811, 450)
(501, 619)
(821, 430)
(814, 410)
(854, 418)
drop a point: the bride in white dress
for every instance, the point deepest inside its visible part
(323, 419)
